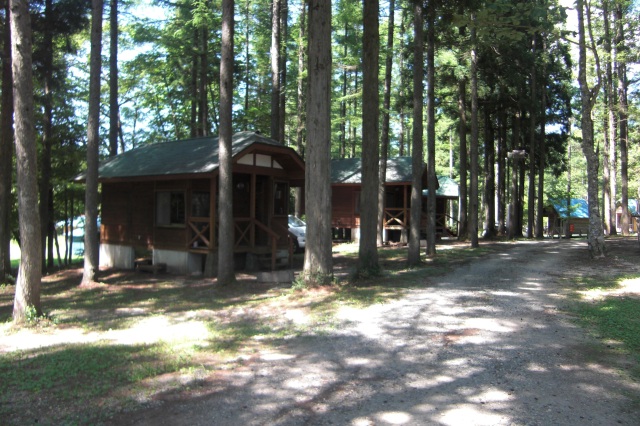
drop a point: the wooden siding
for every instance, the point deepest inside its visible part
(343, 206)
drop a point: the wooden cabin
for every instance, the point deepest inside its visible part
(346, 183)
(632, 208)
(160, 200)
(563, 221)
(447, 197)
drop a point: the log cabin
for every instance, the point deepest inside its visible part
(346, 183)
(159, 201)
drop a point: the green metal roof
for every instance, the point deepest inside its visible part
(447, 188)
(190, 156)
(349, 170)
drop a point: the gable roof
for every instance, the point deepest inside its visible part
(349, 170)
(633, 206)
(189, 156)
(579, 208)
(447, 188)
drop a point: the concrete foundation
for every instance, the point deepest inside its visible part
(179, 262)
(116, 256)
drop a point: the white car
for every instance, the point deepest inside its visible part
(298, 229)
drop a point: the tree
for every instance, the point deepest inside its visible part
(587, 100)
(386, 106)
(413, 257)
(318, 267)
(300, 116)
(226, 274)
(432, 181)
(27, 295)
(6, 151)
(473, 148)
(45, 163)
(463, 208)
(368, 252)
(91, 232)
(623, 115)
(114, 115)
(275, 69)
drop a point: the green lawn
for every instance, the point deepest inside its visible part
(15, 254)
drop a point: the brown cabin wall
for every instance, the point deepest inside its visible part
(128, 211)
(125, 213)
(343, 207)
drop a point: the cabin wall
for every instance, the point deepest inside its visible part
(127, 214)
(343, 207)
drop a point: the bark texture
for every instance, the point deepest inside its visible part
(368, 251)
(318, 267)
(226, 273)
(91, 232)
(27, 293)
(417, 144)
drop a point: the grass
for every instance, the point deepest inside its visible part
(140, 335)
(137, 335)
(609, 312)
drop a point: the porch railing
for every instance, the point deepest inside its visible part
(396, 217)
(246, 235)
(200, 235)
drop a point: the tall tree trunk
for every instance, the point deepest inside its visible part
(113, 79)
(417, 162)
(473, 148)
(623, 117)
(531, 195)
(27, 292)
(432, 179)
(6, 151)
(502, 171)
(489, 177)
(91, 242)
(403, 85)
(275, 70)
(247, 73)
(193, 122)
(386, 107)
(609, 152)
(542, 150)
(343, 113)
(368, 251)
(284, 18)
(318, 268)
(588, 97)
(203, 105)
(45, 169)
(514, 208)
(301, 101)
(462, 134)
(226, 273)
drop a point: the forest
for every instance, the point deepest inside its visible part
(522, 102)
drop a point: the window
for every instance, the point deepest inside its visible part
(200, 206)
(170, 208)
(280, 197)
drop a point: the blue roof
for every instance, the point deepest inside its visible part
(633, 206)
(579, 208)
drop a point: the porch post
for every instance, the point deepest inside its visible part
(213, 214)
(252, 209)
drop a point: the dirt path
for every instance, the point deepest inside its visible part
(483, 345)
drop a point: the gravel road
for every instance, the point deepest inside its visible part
(483, 345)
